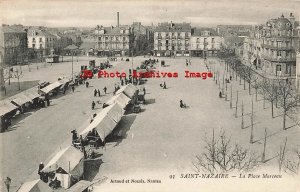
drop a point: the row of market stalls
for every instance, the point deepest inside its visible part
(67, 166)
(26, 100)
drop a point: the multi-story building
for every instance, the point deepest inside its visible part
(272, 46)
(143, 39)
(205, 43)
(13, 44)
(40, 41)
(114, 41)
(172, 39)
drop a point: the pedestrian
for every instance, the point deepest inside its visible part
(93, 105)
(87, 84)
(98, 92)
(164, 85)
(7, 183)
(144, 91)
(181, 104)
(122, 82)
(41, 167)
(105, 89)
(95, 92)
(73, 88)
(220, 94)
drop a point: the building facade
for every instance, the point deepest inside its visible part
(13, 45)
(205, 43)
(40, 41)
(143, 39)
(272, 47)
(114, 41)
(172, 39)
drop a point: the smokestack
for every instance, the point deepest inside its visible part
(118, 19)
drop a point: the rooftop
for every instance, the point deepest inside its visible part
(173, 27)
(11, 29)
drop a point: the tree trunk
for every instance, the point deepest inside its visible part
(284, 118)
(272, 108)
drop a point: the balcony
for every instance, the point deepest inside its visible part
(159, 37)
(277, 48)
(278, 58)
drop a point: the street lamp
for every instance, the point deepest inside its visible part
(72, 48)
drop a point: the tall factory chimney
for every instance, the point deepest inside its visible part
(118, 19)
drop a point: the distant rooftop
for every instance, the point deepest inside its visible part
(173, 27)
(11, 29)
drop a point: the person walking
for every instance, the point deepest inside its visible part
(95, 92)
(98, 92)
(105, 89)
(93, 105)
(87, 84)
(7, 183)
(73, 88)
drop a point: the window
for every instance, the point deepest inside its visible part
(212, 40)
(33, 39)
(33, 45)
(41, 46)
(198, 40)
(124, 38)
(40, 39)
(47, 39)
(278, 53)
(205, 40)
(117, 38)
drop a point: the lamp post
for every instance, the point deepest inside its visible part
(72, 48)
(132, 67)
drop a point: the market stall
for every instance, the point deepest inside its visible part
(105, 121)
(129, 90)
(67, 165)
(51, 87)
(121, 99)
(35, 186)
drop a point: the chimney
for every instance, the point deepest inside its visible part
(118, 19)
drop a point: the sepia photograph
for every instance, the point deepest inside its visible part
(149, 95)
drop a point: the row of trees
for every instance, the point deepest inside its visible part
(220, 154)
(279, 92)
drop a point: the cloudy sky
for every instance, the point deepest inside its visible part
(89, 13)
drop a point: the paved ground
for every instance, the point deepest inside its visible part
(161, 140)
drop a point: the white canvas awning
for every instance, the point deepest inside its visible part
(32, 93)
(121, 99)
(35, 186)
(129, 90)
(79, 186)
(21, 99)
(6, 107)
(52, 86)
(105, 121)
(69, 159)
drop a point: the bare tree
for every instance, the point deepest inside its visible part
(221, 156)
(288, 97)
(292, 164)
(270, 91)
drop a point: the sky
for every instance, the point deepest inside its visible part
(89, 13)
